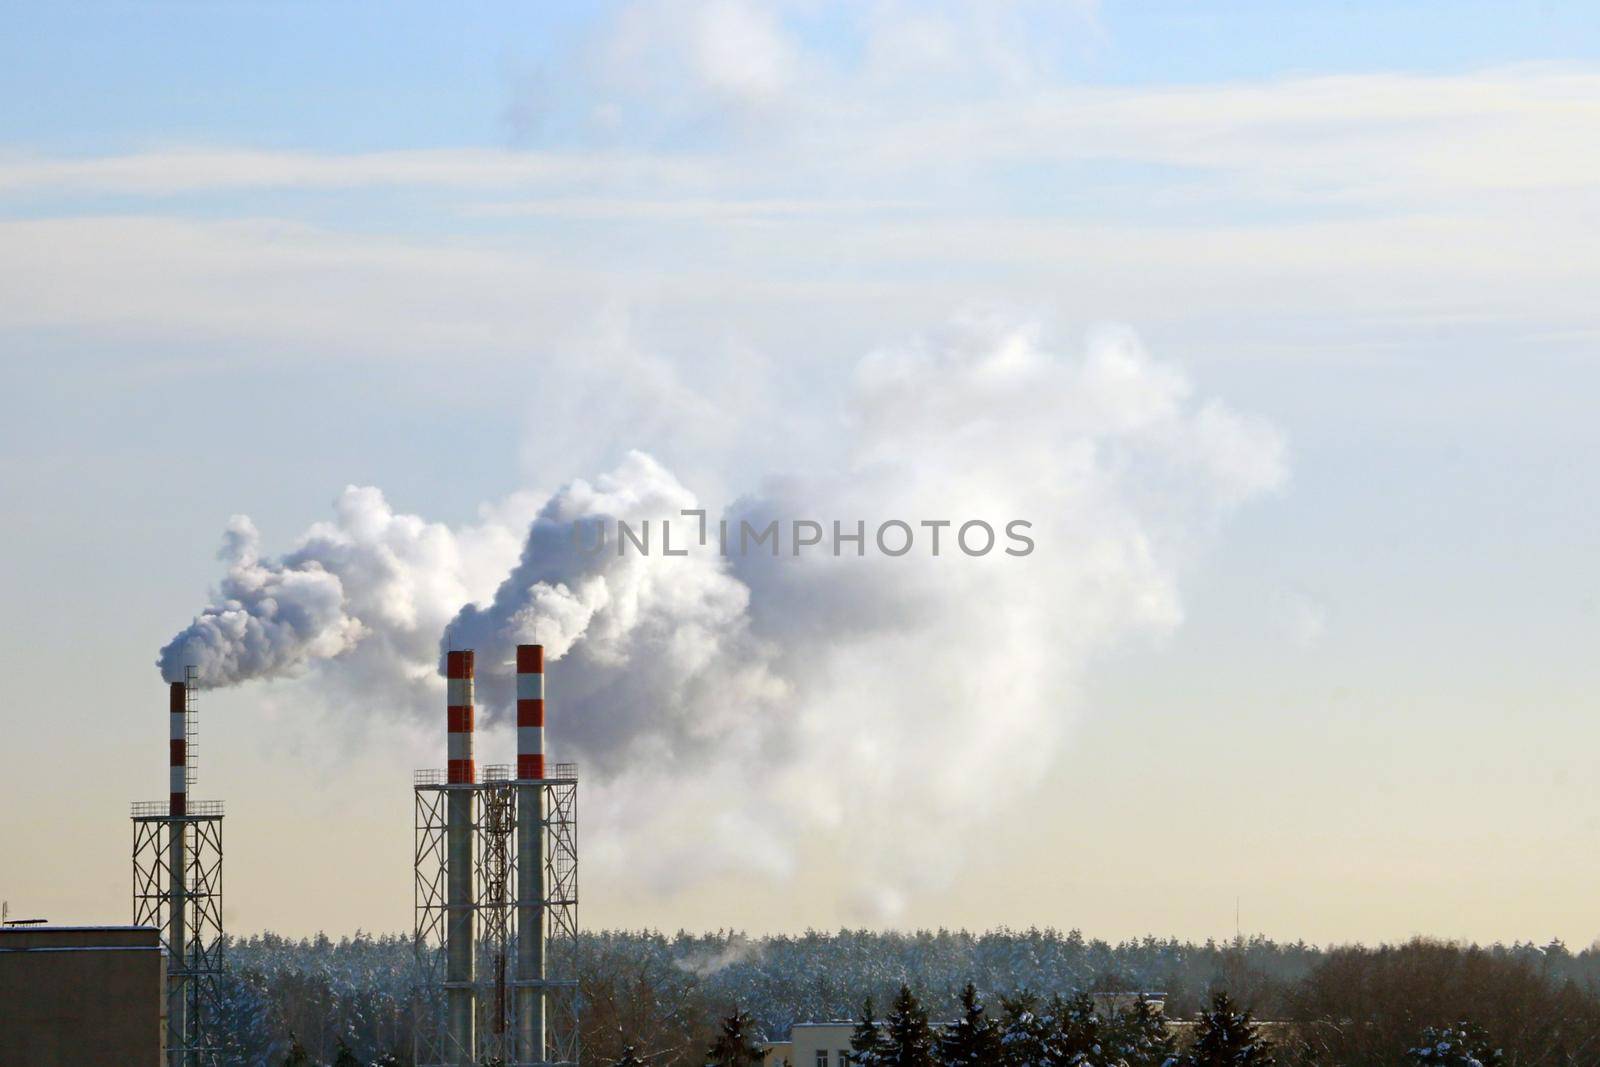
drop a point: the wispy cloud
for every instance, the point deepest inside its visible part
(690, 209)
(1346, 204)
(161, 172)
(1395, 138)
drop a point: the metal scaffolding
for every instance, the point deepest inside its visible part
(177, 888)
(560, 985)
(494, 860)
(194, 968)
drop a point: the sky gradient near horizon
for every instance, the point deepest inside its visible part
(252, 255)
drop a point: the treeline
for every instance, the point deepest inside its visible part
(1029, 1032)
(667, 996)
(1072, 1033)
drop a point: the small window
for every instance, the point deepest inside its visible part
(844, 1058)
(822, 1057)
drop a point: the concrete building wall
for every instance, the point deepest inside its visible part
(77, 996)
(812, 1045)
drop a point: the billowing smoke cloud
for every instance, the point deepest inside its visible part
(884, 705)
(371, 589)
(658, 663)
(270, 619)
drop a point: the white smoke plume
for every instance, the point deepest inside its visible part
(923, 690)
(371, 590)
(707, 962)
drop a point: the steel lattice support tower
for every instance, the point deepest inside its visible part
(177, 888)
(496, 864)
(432, 864)
(524, 871)
(560, 926)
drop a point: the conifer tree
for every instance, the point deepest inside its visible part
(344, 1057)
(868, 1042)
(1076, 1040)
(739, 1044)
(908, 1037)
(1024, 1034)
(1139, 1037)
(1463, 1045)
(1228, 1038)
(298, 1056)
(972, 1040)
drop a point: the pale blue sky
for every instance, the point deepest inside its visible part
(93, 77)
(251, 254)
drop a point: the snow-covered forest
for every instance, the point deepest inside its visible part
(665, 994)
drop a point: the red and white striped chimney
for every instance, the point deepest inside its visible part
(178, 763)
(532, 848)
(530, 711)
(461, 934)
(458, 682)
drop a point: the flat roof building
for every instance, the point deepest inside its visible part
(812, 1045)
(82, 996)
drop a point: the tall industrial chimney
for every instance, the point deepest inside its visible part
(531, 849)
(457, 876)
(177, 887)
(461, 946)
(177, 871)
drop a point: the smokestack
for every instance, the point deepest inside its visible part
(178, 734)
(460, 925)
(530, 712)
(459, 697)
(177, 871)
(531, 848)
